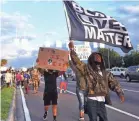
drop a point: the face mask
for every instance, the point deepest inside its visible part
(97, 58)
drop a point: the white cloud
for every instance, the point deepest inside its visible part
(18, 48)
(12, 23)
(131, 9)
(129, 16)
(15, 45)
(8, 51)
(132, 20)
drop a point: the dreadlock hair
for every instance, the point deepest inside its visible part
(92, 63)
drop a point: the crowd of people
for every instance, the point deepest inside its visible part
(93, 83)
(23, 78)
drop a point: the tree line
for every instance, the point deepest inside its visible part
(111, 58)
(115, 59)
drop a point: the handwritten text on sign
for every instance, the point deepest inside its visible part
(52, 59)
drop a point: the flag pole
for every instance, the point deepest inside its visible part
(67, 20)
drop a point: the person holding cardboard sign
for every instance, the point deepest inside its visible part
(50, 92)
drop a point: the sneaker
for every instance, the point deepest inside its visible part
(54, 120)
(81, 119)
(65, 91)
(45, 117)
(60, 91)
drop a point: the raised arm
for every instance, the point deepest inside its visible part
(72, 66)
(75, 59)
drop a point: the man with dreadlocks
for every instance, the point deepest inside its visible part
(98, 82)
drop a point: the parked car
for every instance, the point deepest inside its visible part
(132, 73)
(108, 69)
(70, 74)
(116, 71)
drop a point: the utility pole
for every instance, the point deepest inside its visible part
(123, 63)
(109, 57)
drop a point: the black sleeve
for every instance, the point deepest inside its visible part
(45, 73)
(56, 73)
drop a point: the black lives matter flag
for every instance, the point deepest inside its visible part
(94, 26)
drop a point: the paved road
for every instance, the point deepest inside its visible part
(68, 104)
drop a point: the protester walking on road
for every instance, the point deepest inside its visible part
(80, 90)
(13, 77)
(8, 78)
(39, 80)
(22, 79)
(63, 83)
(35, 80)
(50, 92)
(26, 82)
(18, 79)
(98, 83)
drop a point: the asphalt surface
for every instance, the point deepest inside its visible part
(19, 108)
(68, 104)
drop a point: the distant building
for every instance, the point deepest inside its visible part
(138, 47)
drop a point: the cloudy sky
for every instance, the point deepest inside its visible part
(27, 25)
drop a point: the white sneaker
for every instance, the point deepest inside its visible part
(81, 119)
(65, 91)
(60, 91)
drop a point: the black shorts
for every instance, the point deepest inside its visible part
(50, 98)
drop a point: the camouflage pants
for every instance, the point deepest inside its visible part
(35, 85)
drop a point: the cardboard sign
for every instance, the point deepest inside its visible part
(50, 58)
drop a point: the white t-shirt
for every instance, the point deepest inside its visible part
(8, 77)
(98, 98)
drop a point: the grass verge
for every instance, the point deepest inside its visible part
(6, 99)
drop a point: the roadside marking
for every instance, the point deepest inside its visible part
(26, 111)
(130, 90)
(121, 111)
(113, 108)
(128, 83)
(72, 83)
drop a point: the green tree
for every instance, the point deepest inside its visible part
(3, 62)
(131, 59)
(114, 58)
